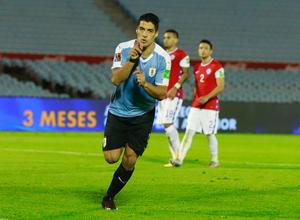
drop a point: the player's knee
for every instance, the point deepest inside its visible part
(111, 159)
(190, 133)
(167, 125)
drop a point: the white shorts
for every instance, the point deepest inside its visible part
(203, 120)
(168, 110)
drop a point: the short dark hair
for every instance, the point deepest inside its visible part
(206, 42)
(173, 32)
(150, 17)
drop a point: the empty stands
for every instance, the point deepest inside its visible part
(243, 85)
(57, 26)
(240, 30)
(263, 31)
(80, 77)
(10, 86)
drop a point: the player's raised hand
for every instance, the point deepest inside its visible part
(203, 99)
(140, 77)
(136, 51)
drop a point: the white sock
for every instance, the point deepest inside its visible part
(186, 143)
(174, 142)
(213, 146)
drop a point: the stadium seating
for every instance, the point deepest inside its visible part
(57, 26)
(269, 86)
(243, 85)
(10, 86)
(278, 86)
(240, 30)
(79, 76)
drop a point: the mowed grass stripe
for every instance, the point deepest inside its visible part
(290, 165)
(64, 175)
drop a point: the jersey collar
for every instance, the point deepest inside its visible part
(207, 63)
(143, 60)
(169, 52)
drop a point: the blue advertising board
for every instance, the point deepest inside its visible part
(39, 114)
(35, 114)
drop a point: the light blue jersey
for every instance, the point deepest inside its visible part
(129, 99)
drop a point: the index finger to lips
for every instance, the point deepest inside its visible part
(141, 46)
(138, 50)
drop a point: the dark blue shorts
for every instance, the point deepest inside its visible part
(134, 131)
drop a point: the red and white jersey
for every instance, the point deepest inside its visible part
(205, 82)
(180, 59)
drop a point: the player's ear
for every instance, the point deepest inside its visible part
(156, 34)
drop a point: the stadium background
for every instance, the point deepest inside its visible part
(55, 59)
(62, 49)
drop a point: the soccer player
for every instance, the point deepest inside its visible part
(169, 108)
(204, 113)
(140, 73)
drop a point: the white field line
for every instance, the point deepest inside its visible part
(291, 165)
(51, 152)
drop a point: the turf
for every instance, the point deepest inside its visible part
(63, 176)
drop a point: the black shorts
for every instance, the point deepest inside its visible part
(134, 131)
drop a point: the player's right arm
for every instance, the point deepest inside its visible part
(219, 75)
(185, 67)
(121, 72)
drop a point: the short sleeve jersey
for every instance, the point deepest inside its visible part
(180, 59)
(129, 99)
(205, 82)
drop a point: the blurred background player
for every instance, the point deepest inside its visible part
(169, 108)
(204, 113)
(140, 73)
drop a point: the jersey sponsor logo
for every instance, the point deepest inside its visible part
(118, 57)
(166, 74)
(208, 71)
(152, 71)
(172, 57)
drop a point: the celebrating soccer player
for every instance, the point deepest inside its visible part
(204, 114)
(169, 108)
(140, 73)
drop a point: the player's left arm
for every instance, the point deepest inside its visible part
(159, 89)
(220, 80)
(185, 65)
(156, 91)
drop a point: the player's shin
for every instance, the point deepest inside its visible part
(186, 143)
(174, 141)
(172, 150)
(213, 146)
(120, 178)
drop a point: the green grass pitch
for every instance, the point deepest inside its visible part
(63, 176)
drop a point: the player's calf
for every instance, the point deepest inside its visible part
(129, 158)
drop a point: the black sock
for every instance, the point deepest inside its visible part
(120, 178)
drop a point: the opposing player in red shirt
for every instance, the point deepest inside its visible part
(204, 113)
(169, 108)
